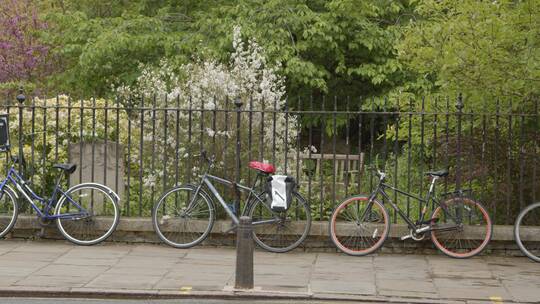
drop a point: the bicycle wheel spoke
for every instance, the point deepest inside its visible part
(464, 238)
(526, 229)
(181, 221)
(357, 230)
(288, 230)
(8, 213)
(87, 215)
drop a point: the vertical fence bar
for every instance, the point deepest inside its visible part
(33, 144)
(141, 155)
(494, 159)
(21, 98)
(447, 140)
(509, 160)
(57, 114)
(286, 140)
(483, 155)
(44, 154)
(346, 167)
(68, 130)
(310, 146)
(298, 140)
(177, 141)
(334, 138)
(321, 162)
(117, 150)
(190, 129)
(521, 161)
(274, 116)
(471, 148)
(371, 141)
(422, 150)
(130, 112)
(261, 136)
(106, 140)
(459, 106)
(535, 150)
(250, 135)
(396, 151)
(360, 129)
(166, 145)
(94, 108)
(409, 155)
(81, 125)
(153, 161)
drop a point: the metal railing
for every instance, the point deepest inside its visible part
(155, 144)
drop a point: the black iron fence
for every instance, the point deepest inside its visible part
(141, 147)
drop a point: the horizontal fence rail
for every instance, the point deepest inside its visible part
(141, 147)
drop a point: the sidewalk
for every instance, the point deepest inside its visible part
(45, 268)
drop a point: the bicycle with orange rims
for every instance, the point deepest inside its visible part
(458, 226)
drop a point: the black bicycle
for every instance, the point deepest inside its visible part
(184, 216)
(526, 231)
(459, 226)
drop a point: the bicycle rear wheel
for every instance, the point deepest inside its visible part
(178, 224)
(461, 238)
(87, 213)
(527, 230)
(356, 228)
(286, 230)
(9, 211)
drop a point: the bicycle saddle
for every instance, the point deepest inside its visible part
(440, 173)
(263, 167)
(68, 168)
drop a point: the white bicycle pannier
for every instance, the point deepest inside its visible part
(280, 188)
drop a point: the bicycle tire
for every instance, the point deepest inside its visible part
(10, 220)
(359, 231)
(437, 236)
(262, 233)
(94, 223)
(525, 249)
(166, 228)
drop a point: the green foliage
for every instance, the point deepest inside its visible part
(484, 49)
(326, 46)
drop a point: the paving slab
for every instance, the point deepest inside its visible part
(155, 270)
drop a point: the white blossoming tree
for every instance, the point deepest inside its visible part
(196, 111)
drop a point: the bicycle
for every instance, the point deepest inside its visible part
(525, 234)
(459, 226)
(81, 213)
(184, 215)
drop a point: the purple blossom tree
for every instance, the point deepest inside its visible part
(22, 55)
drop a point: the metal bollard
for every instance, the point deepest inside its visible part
(244, 254)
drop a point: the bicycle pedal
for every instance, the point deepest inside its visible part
(405, 237)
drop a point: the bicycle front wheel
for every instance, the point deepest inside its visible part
(358, 227)
(8, 211)
(280, 231)
(527, 230)
(87, 214)
(461, 227)
(182, 220)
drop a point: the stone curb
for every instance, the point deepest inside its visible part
(58, 292)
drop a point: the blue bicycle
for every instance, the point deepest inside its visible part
(85, 214)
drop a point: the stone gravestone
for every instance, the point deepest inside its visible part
(93, 161)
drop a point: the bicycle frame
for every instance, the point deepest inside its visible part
(20, 184)
(207, 180)
(430, 197)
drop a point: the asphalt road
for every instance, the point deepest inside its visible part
(177, 301)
